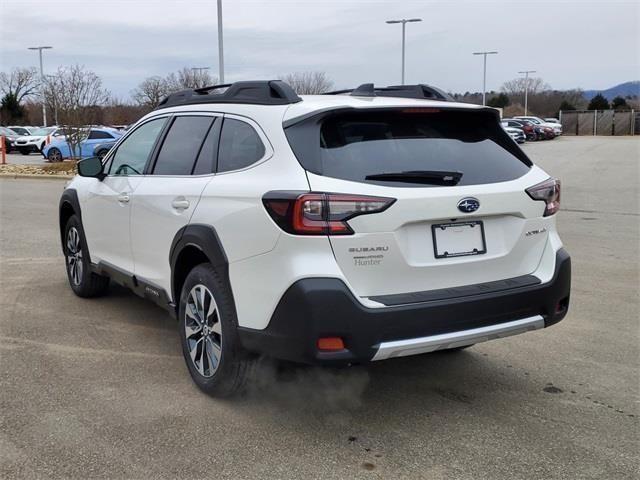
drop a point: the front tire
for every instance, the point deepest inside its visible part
(208, 330)
(82, 280)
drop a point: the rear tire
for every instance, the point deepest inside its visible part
(54, 155)
(208, 326)
(82, 280)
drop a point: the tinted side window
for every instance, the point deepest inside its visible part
(240, 146)
(94, 134)
(206, 162)
(133, 153)
(181, 145)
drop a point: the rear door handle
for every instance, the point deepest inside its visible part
(123, 198)
(180, 204)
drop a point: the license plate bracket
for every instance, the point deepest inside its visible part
(458, 239)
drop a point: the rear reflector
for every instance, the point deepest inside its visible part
(319, 213)
(330, 344)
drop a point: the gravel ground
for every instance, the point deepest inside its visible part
(34, 164)
(98, 388)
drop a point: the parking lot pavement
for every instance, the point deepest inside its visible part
(31, 159)
(98, 388)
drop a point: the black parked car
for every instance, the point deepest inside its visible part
(9, 138)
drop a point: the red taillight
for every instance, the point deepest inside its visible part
(320, 213)
(549, 192)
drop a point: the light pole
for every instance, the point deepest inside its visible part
(51, 79)
(484, 75)
(44, 109)
(526, 88)
(404, 22)
(220, 45)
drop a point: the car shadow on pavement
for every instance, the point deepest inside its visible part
(441, 380)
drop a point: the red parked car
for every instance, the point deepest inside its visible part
(527, 127)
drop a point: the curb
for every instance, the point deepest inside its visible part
(17, 176)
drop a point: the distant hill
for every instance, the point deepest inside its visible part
(622, 90)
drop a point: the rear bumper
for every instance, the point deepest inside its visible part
(324, 307)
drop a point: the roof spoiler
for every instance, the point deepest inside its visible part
(420, 91)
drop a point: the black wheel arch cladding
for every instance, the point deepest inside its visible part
(70, 205)
(205, 239)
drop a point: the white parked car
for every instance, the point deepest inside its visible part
(22, 130)
(552, 120)
(557, 128)
(329, 229)
(37, 140)
(517, 134)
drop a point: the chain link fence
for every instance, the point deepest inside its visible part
(600, 122)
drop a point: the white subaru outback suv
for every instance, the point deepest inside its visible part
(333, 229)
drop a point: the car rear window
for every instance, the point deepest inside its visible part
(97, 134)
(353, 145)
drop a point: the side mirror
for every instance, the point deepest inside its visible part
(91, 167)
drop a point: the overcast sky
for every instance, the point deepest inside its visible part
(587, 44)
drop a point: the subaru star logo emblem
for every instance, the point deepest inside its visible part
(468, 205)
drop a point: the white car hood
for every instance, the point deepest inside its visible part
(32, 138)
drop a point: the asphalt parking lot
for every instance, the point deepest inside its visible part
(98, 388)
(14, 158)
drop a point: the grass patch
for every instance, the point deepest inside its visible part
(67, 167)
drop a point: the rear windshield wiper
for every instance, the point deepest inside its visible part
(428, 177)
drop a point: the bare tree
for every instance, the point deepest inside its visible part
(153, 89)
(150, 91)
(20, 82)
(191, 78)
(542, 100)
(516, 87)
(308, 83)
(547, 103)
(120, 112)
(78, 95)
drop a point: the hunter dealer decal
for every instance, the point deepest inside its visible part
(368, 256)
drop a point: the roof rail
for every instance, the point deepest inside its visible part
(420, 91)
(259, 92)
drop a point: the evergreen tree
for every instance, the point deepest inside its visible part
(12, 111)
(499, 101)
(566, 106)
(598, 103)
(619, 103)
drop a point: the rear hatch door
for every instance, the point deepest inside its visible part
(461, 213)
